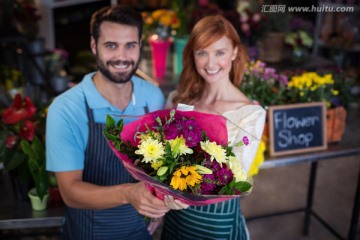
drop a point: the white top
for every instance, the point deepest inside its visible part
(249, 120)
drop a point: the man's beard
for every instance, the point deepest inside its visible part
(122, 77)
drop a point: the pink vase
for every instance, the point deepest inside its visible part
(159, 49)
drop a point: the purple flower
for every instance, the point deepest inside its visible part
(213, 165)
(246, 140)
(188, 128)
(208, 185)
(224, 175)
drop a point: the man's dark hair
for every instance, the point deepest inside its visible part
(121, 14)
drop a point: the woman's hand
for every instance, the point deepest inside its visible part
(174, 204)
(154, 224)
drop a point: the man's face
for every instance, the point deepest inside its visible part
(117, 51)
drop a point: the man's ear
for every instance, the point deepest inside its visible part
(93, 45)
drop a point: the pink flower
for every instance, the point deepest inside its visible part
(244, 17)
(256, 17)
(245, 27)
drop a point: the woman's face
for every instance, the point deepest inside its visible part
(214, 62)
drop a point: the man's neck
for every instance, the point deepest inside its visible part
(118, 95)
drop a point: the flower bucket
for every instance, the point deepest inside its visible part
(159, 49)
(271, 48)
(335, 124)
(178, 52)
(36, 203)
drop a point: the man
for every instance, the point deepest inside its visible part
(103, 201)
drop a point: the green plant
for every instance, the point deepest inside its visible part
(298, 39)
(11, 82)
(21, 134)
(183, 10)
(264, 85)
(35, 152)
(27, 18)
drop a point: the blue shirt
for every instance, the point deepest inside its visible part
(67, 122)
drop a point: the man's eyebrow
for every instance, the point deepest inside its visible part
(133, 42)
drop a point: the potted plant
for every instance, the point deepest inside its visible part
(22, 149)
(299, 41)
(264, 84)
(326, 85)
(36, 161)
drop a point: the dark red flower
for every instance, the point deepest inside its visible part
(27, 131)
(12, 115)
(10, 141)
(29, 107)
(20, 110)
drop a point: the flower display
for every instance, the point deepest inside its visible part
(183, 10)
(160, 22)
(22, 148)
(55, 62)
(11, 82)
(27, 18)
(185, 154)
(298, 40)
(312, 87)
(263, 84)
(251, 21)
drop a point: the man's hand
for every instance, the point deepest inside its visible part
(145, 202)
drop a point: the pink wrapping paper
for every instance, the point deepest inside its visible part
(215, 128)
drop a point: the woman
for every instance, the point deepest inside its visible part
(214, 63)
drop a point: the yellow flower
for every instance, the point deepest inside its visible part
(178, 147)
(236, 168)
(185, 176)
(151, 149)
(258, 160)
(215, 151)
(156, 164)
(149, 135)
(335, 92)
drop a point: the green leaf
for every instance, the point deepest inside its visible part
(27, 149)
(110, 121)
(13, 160)
(162, 170)
(242, 186)
(109, 136)
(2, 145)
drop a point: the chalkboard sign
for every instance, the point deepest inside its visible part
(296, 128)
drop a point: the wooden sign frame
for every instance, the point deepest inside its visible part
(306, 137)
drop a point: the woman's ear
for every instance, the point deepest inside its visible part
(93, 45)
(235, 52)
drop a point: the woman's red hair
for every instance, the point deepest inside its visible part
(206, 31)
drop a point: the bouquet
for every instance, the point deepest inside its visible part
(183, 154)
(160, 22)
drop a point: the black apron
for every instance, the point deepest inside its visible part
(103, 168)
